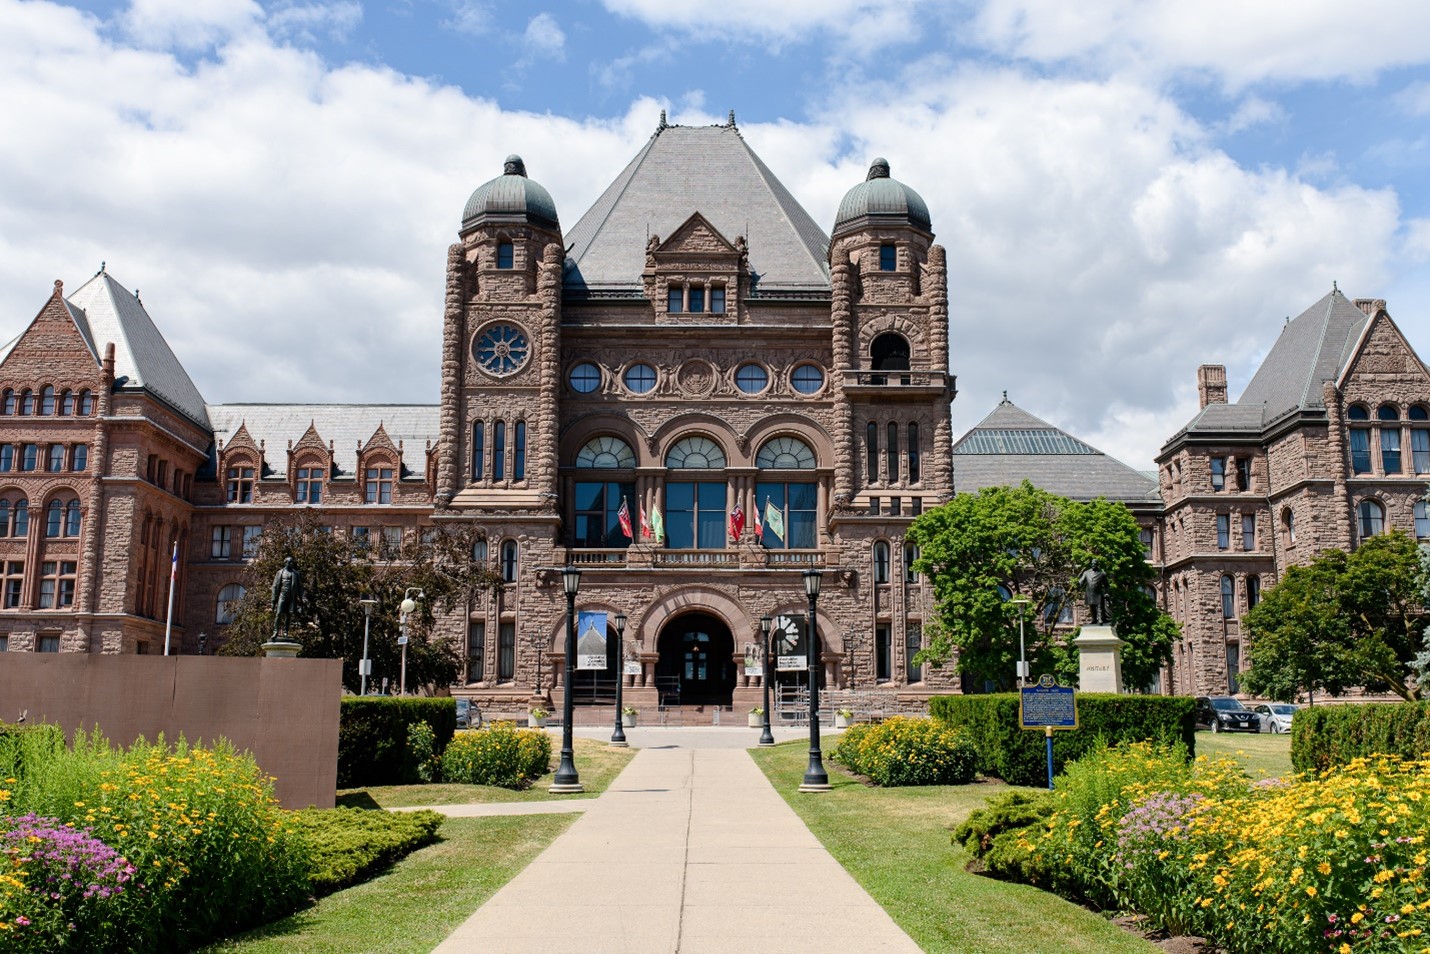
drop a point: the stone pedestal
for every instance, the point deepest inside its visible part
(1099, 660)
(282, 649)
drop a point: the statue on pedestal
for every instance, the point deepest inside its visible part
(287, 591)
(1094, 584)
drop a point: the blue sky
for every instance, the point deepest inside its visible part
(1126, 189)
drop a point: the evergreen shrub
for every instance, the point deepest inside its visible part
(349, 845)
(499, 754)
(904, 751)
(1326, 737)
(373, 737)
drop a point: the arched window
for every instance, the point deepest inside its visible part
(72, 518)
(518, 453)
(700, 453)
(1357, 412)
(228, 599)
(1389, 439)
(508, 561)
(1420, 438)
(913, 450)
(27, 401)
(86, 403)
(479, 551)
(22, 518)
(479, 449)
(11, 405)
(54, 518)
(606, 452)
(1387, 412)
(1228, 599)
(889, 352)
(911, 554)
(881, 561)
(1422, 519)
(47, 400)
(785, 453)
(1288, 526)
(499, 450)
(67, 403)
(892, 451)
(1253, 592)
(1372, 518)
(871, 447)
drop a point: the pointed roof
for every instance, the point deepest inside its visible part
(1312, 350)
(346, 425)
(1010, 446)
(706, 169)
(105, 311)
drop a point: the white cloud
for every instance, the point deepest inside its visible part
(472, 17)
(308, 22)
(543, 38)
(1414, 100)
(184, 24)
(1251, 112)
(863, 24)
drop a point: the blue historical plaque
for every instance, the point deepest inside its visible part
(1047, 706)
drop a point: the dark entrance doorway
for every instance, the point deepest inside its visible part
(696, 664)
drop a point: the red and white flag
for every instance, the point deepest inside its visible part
(646, 531)
(759, 527)
(737, 522)
(624, 516)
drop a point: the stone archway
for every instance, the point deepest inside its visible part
(696, 660)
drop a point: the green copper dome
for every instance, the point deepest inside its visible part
(881, 197)
(511, 195)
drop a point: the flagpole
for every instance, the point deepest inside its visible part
(173, 576)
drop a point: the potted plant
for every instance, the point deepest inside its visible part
(757, 717)
(628, 716)
(537, 717)
(842, 718)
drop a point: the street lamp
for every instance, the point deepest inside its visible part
(203, 639)
(815, 778)
(365, 667)
(409, 606)
(1021, 602)
(618, 737)
(766, 624)
(567, 780)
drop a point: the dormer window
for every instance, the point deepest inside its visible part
(240, 485)
(379, 485)
(675, 300)
(697, 298)
(717, 299)
(506, 255)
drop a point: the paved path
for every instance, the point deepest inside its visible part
(490, 809)
(690, 851)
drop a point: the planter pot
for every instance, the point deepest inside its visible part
(536, 722)
(841, 722)
(628, 719)
(757, 721)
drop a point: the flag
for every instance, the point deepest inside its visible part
(737, 522)
(759, 528)
(645, 524)
(624, 516)
(174, 565)
(775, 521)
(657, 523)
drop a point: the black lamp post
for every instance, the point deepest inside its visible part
(618, 737)
(766, 624)
(567, 780)
(815, 778)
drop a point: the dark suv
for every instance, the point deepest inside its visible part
(1226, 714)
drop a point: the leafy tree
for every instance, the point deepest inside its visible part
(339, 572)
(984, 550)
(1344, 620)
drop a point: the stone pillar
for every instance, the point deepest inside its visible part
(1099, 660)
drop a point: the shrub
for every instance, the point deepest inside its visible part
(56, 881)
(500, 754)
(372, 737)
(349, 845)
(1019, 756)
(904, 751)
(1324, 737)
(998, 834)
(422, 752)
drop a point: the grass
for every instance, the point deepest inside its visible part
(1262, 756)
(597, 762)
(895, 842)
(420, 900)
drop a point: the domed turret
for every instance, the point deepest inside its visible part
(881, 199)
(511, 197)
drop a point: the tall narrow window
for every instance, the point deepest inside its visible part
(1390, 450)
(86, 403)
(506, 651)
(499, 450)
(1145, 536)
(22, 518)
(913, 449)
(717, 299)
(893, 452)
(240, 485)
(913, 642)
(379, 485)
(871, 442)
(7, 458)
(221, 543)
(883, 652)
(54, 518)
(911, 554)
(476, 651)
(881, 562)
(79, 460)
(1372, 518)
(226, 607)
(888, 258)
(67, 403)
(251, 538)
(1360, 440)
(1422, 519)
(14, 583)
(1218, 473)
(1228, 598)
(697, 298)
(518, 456)
(309, 485)
(1288, 526)
(506, 255)
(675, 299)
(47, 400)
(1223, 531)
(1243, 473)
(72, 518)
(11, 405)
(1233, 668)
(27, 401)
(1248, 531)
(1253, 592)
(29, 457)
(479, 449)
(55, 460)
(508, 561)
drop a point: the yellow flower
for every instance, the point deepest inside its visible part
(1324, 868)
(1311, 891)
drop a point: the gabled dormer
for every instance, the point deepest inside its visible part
(697, 275)
(310, 466)
(240, 466)
(379, 467)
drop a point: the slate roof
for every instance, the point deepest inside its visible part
(343, 424)
(1010, 446)
(106, 311)
(705, 169)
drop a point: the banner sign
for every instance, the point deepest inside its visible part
(791, 663)
(1047, 706)
(591, 639)
(632, 667)
(754, 665)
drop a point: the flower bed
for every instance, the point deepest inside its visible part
(500, 754)
(905, 751)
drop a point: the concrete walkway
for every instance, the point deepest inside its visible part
(493, 809)
(689, 851)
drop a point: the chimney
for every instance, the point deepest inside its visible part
(1211, 384)
(1371, 306)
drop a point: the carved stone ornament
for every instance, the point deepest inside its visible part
(696, 377)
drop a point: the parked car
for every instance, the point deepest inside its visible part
(1226, 714)
(1275, 716)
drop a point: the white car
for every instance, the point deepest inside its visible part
(1275, 716)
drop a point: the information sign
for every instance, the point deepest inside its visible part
(1047, 706)
(402, 640)
(632, 667)
(791, 663)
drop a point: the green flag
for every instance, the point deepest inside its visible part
(774, 521)
(657, 523)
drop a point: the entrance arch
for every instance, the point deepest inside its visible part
(697, 660)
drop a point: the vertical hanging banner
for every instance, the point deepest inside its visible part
(591, 639)
(754, 665)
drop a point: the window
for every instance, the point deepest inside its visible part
(717, 299)
(479, 448)
(881, 562)
(309, 486)
(1420, 447)
(874, 503)
(888, 258)
(889, 352)
(54, 518)
(639, 378)
(508, 561)
(240, 484)
(695, 300)
(11, 405)
(27, 401)
(518, 457)
(883, 652)
(7, 458)
(785, 453)
(14, 583)
(1228, 599)
(911, 554)
(506, 255)
(1058, 609)
(698, 453)
(584, 377)
(1243, 473)
(501, 349)
(479, 551)
(1218, 473)
(1422, 519)
(1360, 450)
(227, 607)
(1288, 526)
(221, 543)
(896, 506)
(391, 540)
(22, 518)
(1372, 518)
(913, 450)
(57, 579)
(1357, 412)
(1387, 412)
(1233, 667)
(1248, 532)
(48, 644)
(379, 485)
(362, 536)
(506, 651)
(871, 447)
(47, 401)
(606, 452)
(72, 518)
(1390, 450)
(1253, 591)
(251, 537)
(29, 457)
(476, 651)
(796, 505)
(913, 642)
(675, 299)
(596, 508)
(67, 403)
(86, 403)
(1145, 536)
(79, 459)
(1223, 531)
(499, 450)
(751, 378)
(694, 515)
(916, 506)
(892, 452)
(807, 379)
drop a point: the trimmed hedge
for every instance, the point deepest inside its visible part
(1019, 756)
(349, 845)
(1324, 737)
(372, 737)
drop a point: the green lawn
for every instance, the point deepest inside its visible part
(420, 900)
(1262, 756)
(597, 762)
(895, 842)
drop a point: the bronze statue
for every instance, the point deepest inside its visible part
(1094, 583)
(287, 591)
